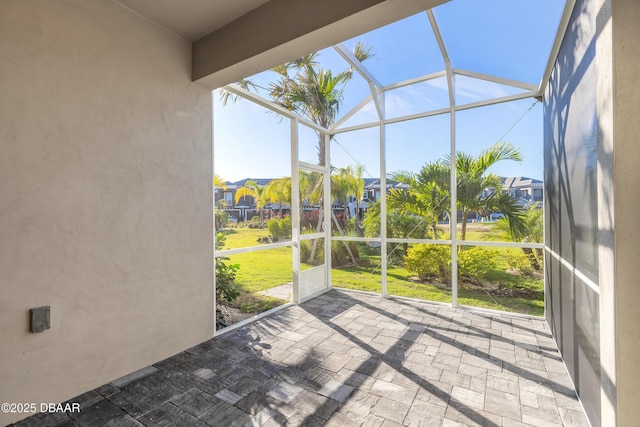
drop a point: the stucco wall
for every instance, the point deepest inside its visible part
(571, 222)
(626, 152)
(105, 197)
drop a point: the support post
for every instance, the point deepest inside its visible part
(295, 212)
(383, 195)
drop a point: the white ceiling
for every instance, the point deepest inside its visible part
(192, 19)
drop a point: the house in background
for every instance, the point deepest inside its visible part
(525, 190)
(245, 208)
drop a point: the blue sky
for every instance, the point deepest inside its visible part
(505, 38)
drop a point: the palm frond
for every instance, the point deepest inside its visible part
(362, 52)
(218, 182)
(226, 96)
(497, 152)
(244, 192)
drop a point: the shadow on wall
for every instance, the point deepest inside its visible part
(571, 183)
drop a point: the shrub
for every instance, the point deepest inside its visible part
(279, 228)
(221, 218)
(396, 255)
(226, 288)
(354, 228)
(429, 261)
(475, 263)
(519, 261)
(305, 252)
(340, 255)
(273, 225)
(399, 225)
(309, 220)
(285, 226)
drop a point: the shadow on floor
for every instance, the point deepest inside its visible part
(348, 359)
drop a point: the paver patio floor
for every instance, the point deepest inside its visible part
(349, 359)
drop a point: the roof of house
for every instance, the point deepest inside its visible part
(259, 181)
(374, 183)
(520, 182)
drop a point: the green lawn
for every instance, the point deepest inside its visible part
(367, 277)
(244, 237)
(258, 271)
(269, 268)
(476, 231)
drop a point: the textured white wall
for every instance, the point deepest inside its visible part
(105, 197)
(625, 18)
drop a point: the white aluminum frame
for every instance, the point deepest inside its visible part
(295, 210)
(378, 97)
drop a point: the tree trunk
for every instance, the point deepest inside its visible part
(532, 258)
(321, 147)
(538, 253)
(346, 216)
(463, 234)
(393, 247)
(314, 245)
(346, 244)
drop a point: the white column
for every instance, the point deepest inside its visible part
(453, 220)
(327, 208)
(295, 212)
(213, 207)
(383, 195)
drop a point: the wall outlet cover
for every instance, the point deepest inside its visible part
(40, 318)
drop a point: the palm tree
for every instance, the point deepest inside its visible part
(532, 232)
(403, 225)
(428, 194)
(219, 182)
(481, 192)
(312, 92)
(279, 190)
(311, 189)
(347, 183)
(358, 190)
(257, 192)
(425, 194)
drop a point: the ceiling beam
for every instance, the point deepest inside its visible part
(283, 30)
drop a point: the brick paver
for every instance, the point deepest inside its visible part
(347, 359)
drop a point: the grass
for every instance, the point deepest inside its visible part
(400, 283)
(266, 269)
(244, 237)
(476, 231)
(367, 277)
(258, 271)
